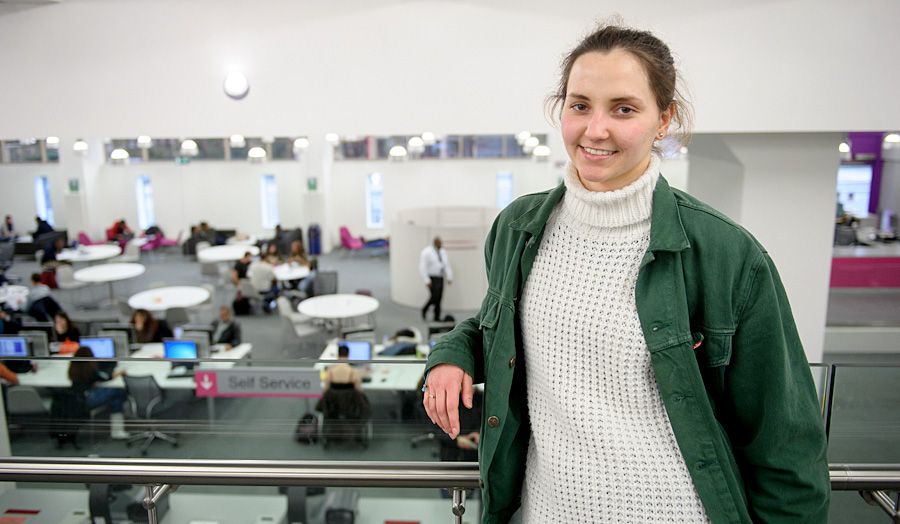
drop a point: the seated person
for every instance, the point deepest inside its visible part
(85, 377)
(8, 229)
(65, 333)
(297, 254)
(272, 255)
(305, 287)
(7, 376)
(40, 304)
(120, 232)
(42, 227)
(240, 268)
(226, 329)
(205, 233)
(147, 328)
(48, 260)
(342, 373)
(9, 324)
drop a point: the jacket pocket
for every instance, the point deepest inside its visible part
(489, 315)
(713, 349)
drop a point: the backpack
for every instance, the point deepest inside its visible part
(307, 431)
(68, 412)
(241, 305)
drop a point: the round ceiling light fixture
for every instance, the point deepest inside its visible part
(530, 143)
(237, 141)
(236, 85)
(256, 153)
(332, 138)
(397, 152)
(428, 138)
(301, 143)
(119, 155)
(189, 148)
(144, 142)
(52, 142)
(80, 146)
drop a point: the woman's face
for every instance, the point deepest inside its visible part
(61, 325)
(610, 119)
(139, 320)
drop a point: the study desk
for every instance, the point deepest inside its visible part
(91, 253)
(163, 298)
(53, 372)
(109, 273)
(400, 373)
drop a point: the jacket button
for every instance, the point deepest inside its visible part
(493, 422)
(512, 362)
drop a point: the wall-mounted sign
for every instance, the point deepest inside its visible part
(73, 185)
(312, 183)
(258, 382)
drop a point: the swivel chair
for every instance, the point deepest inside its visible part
(146, 399)
(346, 416)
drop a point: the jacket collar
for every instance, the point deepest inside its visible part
(666, 230)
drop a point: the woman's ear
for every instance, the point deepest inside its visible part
(665, 119)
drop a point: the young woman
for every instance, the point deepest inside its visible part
(86, 380)
(147, 328)
(639, 356)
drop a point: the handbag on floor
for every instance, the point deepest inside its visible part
(307, 431)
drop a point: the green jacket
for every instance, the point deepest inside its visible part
(742, 404)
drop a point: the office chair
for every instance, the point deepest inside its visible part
(346, 416)
(65, 278)
(326, 283)
(146, 399)
(25, 408)
(7, 251)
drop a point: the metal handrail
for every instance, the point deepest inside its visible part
(241, 472)
(844, 477)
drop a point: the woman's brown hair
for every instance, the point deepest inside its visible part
(82, 371)
(658, 63)
(150, 325)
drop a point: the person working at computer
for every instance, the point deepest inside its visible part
(434, 267)
(226, 329)
(147, 328)
(87, 379)
(342, 373)
(633, 340)
(65, 333)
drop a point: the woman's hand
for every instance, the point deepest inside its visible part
(443, 388)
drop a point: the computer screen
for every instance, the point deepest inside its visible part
(45, 327)
(359, 349)
(101, 347)
(13, 347)
(38, 341)
(179, 348)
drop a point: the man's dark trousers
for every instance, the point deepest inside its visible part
(437, 293)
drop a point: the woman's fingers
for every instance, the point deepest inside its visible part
(441, 398)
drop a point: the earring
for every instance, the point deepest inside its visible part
(660, 135)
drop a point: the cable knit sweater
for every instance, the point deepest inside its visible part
(602, 448)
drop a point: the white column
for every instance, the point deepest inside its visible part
(780, 187)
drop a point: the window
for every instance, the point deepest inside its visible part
(268, 198)
(22, 151)
(374, 201)
(164, 149)
(146, 214)
(283, 148)
(42, 199)
(853, 188)
(210, 149)
(504, 189)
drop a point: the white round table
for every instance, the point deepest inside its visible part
(338, 306)
(109, 273)
(227, 253)
(246, 241)
(89, 253)
(163, 298)
(14, 296)
(287, 272)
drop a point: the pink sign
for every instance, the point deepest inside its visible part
(258, 382)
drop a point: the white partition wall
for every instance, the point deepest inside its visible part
(462, 230)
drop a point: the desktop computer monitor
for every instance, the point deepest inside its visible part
(128, 329)
(202, 340)
(179, 349)
(38, 340)
(101, 347)
(359, 349)
(120, 342)
(16, 346)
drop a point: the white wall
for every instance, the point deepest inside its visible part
(105, 68)
(427, 183)
(17, 194)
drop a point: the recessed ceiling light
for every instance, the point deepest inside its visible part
(236, 85)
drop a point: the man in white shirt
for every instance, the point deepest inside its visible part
(434, 266)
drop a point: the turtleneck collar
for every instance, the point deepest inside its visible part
(627, 206)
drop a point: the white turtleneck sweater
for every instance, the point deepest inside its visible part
(602, 447)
